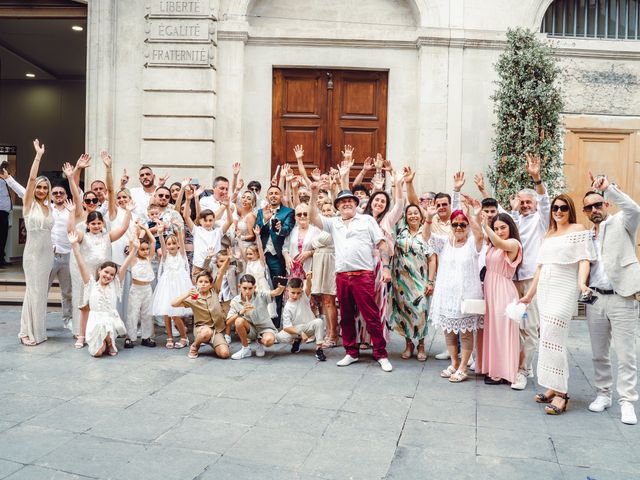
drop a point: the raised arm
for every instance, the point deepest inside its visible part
(630, 209)
(366, 166)
(82, 267)
(227, 224)
(217, 284)
(116, 233)
(163, 245)
(511, 245)
(134, 244)
(478, 179)
(12, 183)
(476, 228)
(235, 168)
(298, 150)
(431, 212)
(314, 215)
(187, 210)
(256, 231)
(408, 175)
(33, 174)
(533, 169)
(111, 196)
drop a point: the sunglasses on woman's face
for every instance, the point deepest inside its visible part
(459, 225)
(91, 200)
(302, 214)
(562, 208)
(589, 208)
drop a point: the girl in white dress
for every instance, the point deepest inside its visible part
(101, 291)
(173, 276)
(95, 247)
(457, 279)
(37, 259)
(256, 265)
(562, 273)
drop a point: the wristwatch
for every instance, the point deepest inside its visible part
(539, 182)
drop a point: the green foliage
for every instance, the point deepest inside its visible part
(527, 104)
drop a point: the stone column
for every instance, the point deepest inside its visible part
(179, 88)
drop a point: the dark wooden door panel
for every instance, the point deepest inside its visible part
(323, 110)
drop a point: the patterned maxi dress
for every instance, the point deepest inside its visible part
(558, 293)
(409, 280)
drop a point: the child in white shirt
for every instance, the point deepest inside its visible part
(298, 321)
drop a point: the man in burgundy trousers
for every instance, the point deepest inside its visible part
(355, 237)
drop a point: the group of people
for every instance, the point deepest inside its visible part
(273, 269)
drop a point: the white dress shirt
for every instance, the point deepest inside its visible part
(597, 276)
(532, 228)
(355, 242)
(59, 236)
(142, 200)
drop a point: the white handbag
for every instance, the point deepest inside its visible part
(471, 306)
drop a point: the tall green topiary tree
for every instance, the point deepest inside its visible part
(527, 105)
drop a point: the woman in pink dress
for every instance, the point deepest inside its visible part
(498, 346)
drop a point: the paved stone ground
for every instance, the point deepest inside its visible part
(153, 413)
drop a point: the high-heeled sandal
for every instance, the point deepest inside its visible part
(554, 410)
(79, 342)
(408, 351)
(543, 398)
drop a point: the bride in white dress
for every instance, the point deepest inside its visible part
(562, 273)
(101, 292)
(37, 259)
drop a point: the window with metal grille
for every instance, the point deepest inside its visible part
(614, 19)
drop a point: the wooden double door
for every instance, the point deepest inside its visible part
(323, 110)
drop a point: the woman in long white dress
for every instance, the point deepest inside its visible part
(101, 291)
(37, 259)
(457, 280)
(562, 273)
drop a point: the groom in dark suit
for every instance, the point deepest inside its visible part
(276, 222)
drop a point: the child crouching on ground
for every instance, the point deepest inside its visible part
(251, 317)
(298, 321)
(229, 287)
(208, 320)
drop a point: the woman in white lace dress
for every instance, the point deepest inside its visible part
(562, 273)
(457, 279)
(37, 259)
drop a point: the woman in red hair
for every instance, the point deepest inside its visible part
(457, 280)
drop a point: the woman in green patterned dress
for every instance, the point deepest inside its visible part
(414, 268)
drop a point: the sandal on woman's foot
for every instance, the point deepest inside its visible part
(422, 355)
(329, 343)
(447, 372)
(552, 409)
(169, 343)
(193, 352)
(184, 342)
(27, 342)
(79, 342)
(408, 351)
(458, 377)
(544, 398)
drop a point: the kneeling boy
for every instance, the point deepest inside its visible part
(251, 316)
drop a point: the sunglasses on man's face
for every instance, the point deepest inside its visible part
(88, 201)
(57, 193)
(163, 195)
(589, 208)
(562, 208)
(459, 225)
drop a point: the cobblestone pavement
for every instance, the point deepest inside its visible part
(153, 413)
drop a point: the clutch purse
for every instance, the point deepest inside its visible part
(472, 306)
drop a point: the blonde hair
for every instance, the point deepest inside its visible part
(36, 214)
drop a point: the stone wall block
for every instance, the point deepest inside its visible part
(176, 128)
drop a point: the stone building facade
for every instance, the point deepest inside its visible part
(187, 86)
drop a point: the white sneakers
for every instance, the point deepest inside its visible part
(346, 361)
(443, 355)
(521, 381)
(227, 338)
(259, 350)
(627, 413)
(385, 364)
(244, 352)
(600, 403)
